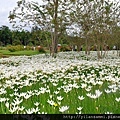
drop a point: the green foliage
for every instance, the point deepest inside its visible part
(17, 42)
(15, 48)
(27, 47)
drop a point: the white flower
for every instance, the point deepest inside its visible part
(58, 88)
(98, 93)
(21, 108)
(91, 96)
(80, 108)
(29, 111)
(117, 99)
(63, 108)
(27, 96)
(2, 99)
(81, 97)
(17, 101)
(47, 91)
(107, 91)
(99, 82)
(36, 104)
(51, 102)
(88, 89)
(113, 90)
(54, 84)
(56, 92)
(79, 112)
(51, 96)
(83, 85)
(75, 85)
(22, 94)
(59, 98)
(13, 108)
(7, 104)
(35, 110)
(108, 113)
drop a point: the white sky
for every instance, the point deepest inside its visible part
(5, 7)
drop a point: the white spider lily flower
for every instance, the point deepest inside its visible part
(75, 85)
(2, 91)
(42, 90)
(88, 89)
(79, 112)
(2, 99)
(41, 113)
(59, 103)
(54, 84)
(83, 85)
(56, 92)
(27, 96)
(51, 96)
(108, 113)
(30, 92)
(88, 94)
(59, 88)
(94, 83)
(13, 109)
(76, 77)
(63, 108)
(113, 90)
(117, 99)
(35, 110)
(21, 108)
(7, 104)
(48, 91)
(107, 91)
(60, 98)
(22, 94)
(17, 101)
(81, 97)
(51, 102)
(98, 93)
(36, 104)
(99, 82)
(80, 108)
(91, 96)
(15, 90)
(29, 111)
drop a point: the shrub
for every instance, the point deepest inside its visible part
(28, 48)
(15, 48)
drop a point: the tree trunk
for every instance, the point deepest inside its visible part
(55, 33)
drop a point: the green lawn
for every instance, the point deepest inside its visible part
(6, 53)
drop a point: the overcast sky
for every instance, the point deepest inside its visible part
(5, 7)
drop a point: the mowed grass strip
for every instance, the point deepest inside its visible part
(24, 52)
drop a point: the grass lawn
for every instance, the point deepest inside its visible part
(6, 53)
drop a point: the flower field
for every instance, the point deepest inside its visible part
(71, 83)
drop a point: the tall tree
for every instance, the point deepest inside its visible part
(51, 16)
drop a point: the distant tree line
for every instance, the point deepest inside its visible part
(23, 37)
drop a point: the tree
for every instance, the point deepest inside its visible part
(5, 35)
(52, 16)
(95, 20)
